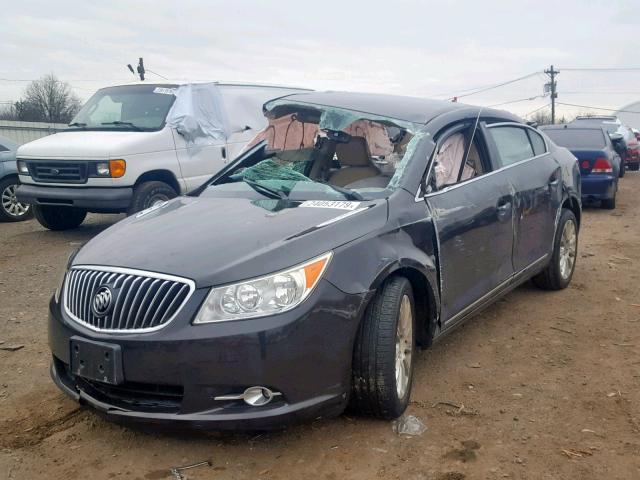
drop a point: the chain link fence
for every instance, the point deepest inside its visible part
(24, 132)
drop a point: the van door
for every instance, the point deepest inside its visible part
(198, 162)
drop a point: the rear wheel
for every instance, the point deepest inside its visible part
(59, 218)
(11, 210)
(149, 194)
(609, 203)
(559, 272)
(623, 169)
(384, 352)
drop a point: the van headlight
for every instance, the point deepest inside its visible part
(268, 295)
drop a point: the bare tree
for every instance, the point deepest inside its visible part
(45, 100)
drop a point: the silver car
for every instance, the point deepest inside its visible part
(10, 209)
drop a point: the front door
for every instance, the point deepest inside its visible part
(473, 215)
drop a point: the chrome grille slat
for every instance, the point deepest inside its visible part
(140, 310)
(160, 308)
(133, 309)
(142, 301)
(150, 308)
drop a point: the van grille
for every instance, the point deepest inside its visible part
(130, 300)
(58, 172)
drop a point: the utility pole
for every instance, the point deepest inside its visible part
(551, 87)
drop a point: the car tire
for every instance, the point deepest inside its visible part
(148, 194)
(560, 270)
(59, 218)
(382, 370)
(10, 209)
(634, 166)
(623, 170)
(609, 203)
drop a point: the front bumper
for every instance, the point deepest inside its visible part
(172, 375)
(598, 186)
(94, 199)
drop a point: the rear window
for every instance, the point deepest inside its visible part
(577, 137)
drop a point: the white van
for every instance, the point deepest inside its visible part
(133, 146)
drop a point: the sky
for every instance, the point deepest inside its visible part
(421, 48)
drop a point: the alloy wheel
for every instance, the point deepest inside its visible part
(404, 345)
(10, 203)
(568, 244)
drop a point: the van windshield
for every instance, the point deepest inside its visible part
(315, 152)
(128, 107)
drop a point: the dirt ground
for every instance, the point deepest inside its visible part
(549, 385)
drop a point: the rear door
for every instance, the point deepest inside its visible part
(536, 176)
(473, 219)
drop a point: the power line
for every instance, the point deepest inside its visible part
(517, 101)
(596, 108)
(602, 69)
(536, 110)
(491, 87)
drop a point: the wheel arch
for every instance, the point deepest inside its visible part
(165, 176)
(425, 300)
(572, 203)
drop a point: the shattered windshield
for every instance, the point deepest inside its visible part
(128, 107)
(318, 152)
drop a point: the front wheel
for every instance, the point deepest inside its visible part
(382, 371)
(149, 194)
(11, 210)
(559, 272)
(59, 218)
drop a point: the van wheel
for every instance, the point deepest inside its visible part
(383, 355)
(148, 194)
(559, 272)
(11, 210)
(59, 218)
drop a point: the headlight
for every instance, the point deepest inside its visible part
(112, 168)
(22, 168)
(268, 295)
(102, 169)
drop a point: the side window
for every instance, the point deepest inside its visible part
(512, 143)
(457, 161)
(537, 142)
(3, 148)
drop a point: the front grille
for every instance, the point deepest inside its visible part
(58, 172)
(136, 301)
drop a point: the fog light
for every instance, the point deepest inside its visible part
(254, 396)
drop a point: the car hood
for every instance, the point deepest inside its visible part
(93, 145)
(221, 240)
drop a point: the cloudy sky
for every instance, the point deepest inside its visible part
(423, 48)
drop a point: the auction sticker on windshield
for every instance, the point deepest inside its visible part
(341, 205)
(165, 91)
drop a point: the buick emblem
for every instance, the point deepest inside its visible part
(102, 300)
(55, 171)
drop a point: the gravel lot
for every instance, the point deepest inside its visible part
(549, 385)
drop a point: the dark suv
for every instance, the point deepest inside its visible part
(302, 277)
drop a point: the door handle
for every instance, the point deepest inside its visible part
(503, 209)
